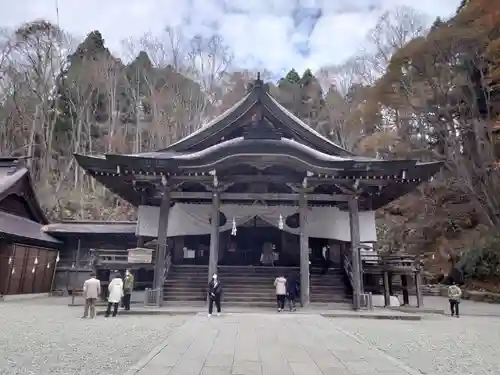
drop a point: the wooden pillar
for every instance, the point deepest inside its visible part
(418, 289)
(75, 268)
(304, 252)
(404, 284)
(161, 248)
(387, 293)
(213, 259)
(140, 239)
(355, 241)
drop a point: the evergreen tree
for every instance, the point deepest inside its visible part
(293, 77)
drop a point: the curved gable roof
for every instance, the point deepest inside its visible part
(211, 133)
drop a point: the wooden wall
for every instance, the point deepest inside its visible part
(23, 280)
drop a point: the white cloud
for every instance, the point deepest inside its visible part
(261, 32)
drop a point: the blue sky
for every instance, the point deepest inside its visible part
(272, 34)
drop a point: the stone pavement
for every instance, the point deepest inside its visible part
(266, 344)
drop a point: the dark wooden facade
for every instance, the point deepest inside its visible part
(28, 256)
(258, 151)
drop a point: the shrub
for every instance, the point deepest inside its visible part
(482, 262)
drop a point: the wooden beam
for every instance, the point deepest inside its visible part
(275, 179)
(259, 196)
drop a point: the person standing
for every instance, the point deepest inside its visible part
(214, 294)
(91, 291)
(280, 284)
(128, 287)
(115, 289)
(292, 288)
(454, 295)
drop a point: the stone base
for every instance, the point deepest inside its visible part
(21, 297)
(379, 301)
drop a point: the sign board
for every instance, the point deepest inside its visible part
(140, 255)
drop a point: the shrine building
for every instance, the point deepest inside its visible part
(256, 180)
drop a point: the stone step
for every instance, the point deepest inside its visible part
(269, 291)
(180, 275)
(251, 300)
(246, 283)
(249, 286)
(340, 305)
(247, 270)
(250, 297)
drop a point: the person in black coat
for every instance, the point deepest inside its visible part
(292, 291)
(214, 294)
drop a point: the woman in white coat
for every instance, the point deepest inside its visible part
(115, 289)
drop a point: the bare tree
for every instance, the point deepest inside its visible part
(38, 55)
(393, 31)
(210, 59)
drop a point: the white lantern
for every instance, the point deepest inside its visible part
(57, 259)
(13, 271)
(233, 230)
(36, 260)
(280, 222)
(48, 265)
(33, 269)
(10, 260)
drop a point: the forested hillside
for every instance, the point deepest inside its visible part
(430, 94)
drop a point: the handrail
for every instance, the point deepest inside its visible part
(168, 266)
(348, 270)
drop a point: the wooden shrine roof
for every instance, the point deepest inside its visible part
(21, 217)
(263, 139)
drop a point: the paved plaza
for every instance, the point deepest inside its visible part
(44, 337)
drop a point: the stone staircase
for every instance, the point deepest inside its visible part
(247, 286)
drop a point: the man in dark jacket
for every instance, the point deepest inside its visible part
(214, 294)
(292, 288)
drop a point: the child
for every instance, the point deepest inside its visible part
(454, 295)
(280, 284)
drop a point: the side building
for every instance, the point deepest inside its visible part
(28, 255)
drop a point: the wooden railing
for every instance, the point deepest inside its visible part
(113, 257)
(401, 263)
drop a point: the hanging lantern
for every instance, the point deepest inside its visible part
(13, 271)
(280, 222)
(33, 269)
(48, 265)
(10, 260)
(233, 230)
(73, 265)
(57, 259)
(36, 260)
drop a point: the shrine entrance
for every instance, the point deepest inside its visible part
(251, 240)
